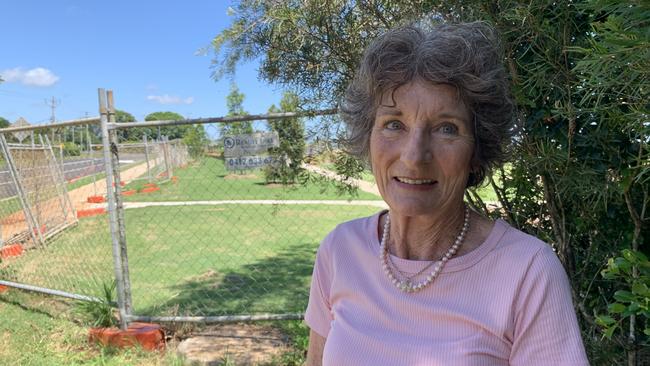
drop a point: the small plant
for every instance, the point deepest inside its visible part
(634, 299)
(100, 313)
(71, 149)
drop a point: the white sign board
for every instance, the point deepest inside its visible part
(243, 152)
(21, 135)
(251, 144)
(249, 162)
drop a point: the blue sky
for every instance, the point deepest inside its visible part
(147, 52)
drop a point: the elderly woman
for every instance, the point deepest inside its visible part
(431, 282)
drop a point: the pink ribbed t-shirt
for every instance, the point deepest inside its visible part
(507, 302)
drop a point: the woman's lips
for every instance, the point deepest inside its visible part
(415, 183)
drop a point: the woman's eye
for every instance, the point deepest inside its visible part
(448, 129)
(393, 125)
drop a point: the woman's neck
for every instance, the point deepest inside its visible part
(424, 237)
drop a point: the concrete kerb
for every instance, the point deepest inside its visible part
(131, 205)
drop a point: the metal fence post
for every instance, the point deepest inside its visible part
(163, 145)
(113, 138)
(112, 211)
(146, 155)
(170, 171)
(91, 156)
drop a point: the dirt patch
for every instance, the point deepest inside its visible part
(240, 344)
(239, 176)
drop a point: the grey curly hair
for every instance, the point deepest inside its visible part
(467, 56)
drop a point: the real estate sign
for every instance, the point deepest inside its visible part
(249, 151)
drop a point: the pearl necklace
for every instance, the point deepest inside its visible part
(407, 285)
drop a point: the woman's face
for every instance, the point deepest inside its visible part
(421, 148)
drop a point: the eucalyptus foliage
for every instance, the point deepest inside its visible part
(580, 172)
(235, 105)
(290, 154)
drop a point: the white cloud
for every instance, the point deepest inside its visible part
(37, 76)
(170, 99)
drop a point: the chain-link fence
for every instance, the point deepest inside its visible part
(194, 227)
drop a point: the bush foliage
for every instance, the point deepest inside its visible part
(580, 171)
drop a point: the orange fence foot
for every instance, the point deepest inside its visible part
(43, 230)
(90, 212)
(13, 250)
(96, 199)
(148, 336)
(149, 189)
(130, 192)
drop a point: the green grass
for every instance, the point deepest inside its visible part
(189, 260)
(210, 260)
(486, 192)
(207, 179)
(33, 333)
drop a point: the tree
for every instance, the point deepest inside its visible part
(579, 177)
(172, 132)
(122, 117)
(195, 138)
(291, 151)
(235, 105)
(4, 123)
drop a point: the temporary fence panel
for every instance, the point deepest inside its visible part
(46, 217)
(39, 186)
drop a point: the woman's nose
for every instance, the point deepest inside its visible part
(417, 148)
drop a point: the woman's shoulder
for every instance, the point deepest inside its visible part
(525, 247)
(355, 231)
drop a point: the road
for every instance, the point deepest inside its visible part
(73, 169)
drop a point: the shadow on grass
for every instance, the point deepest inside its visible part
(277, 284)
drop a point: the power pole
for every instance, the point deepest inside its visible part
(53, 104)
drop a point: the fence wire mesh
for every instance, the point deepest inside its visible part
(205, 237)
(45, 213)
(215, 240)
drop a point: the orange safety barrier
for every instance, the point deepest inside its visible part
(43, 229)
(149, 336)
(90, 212)
(96, 199)
(13, 250)
(149, 189)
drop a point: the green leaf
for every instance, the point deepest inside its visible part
(616, 308)
(623, 296)
(647, 331)
(640, 289)
(610, 331)
(605, 320)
